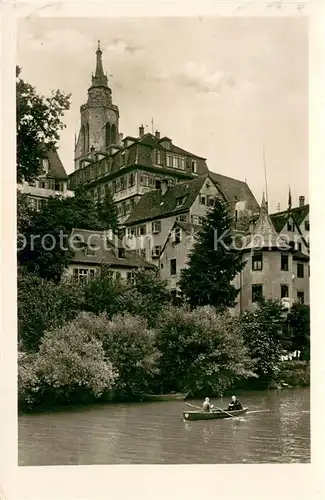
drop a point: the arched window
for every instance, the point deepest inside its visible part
(87, 138)
(107, 134)
(114, 139)
(83, 138)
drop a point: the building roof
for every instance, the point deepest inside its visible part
(56, 168)
(264, 234)
(106, 250)
(298, 214)
(300, 256)
(154, 204)
(235, 190)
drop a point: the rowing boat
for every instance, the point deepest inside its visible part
(178, 396)
(211, 415)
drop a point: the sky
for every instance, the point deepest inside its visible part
(222, 88)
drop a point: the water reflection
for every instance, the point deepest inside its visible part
(156, 433)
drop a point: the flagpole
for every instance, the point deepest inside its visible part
(265, 176)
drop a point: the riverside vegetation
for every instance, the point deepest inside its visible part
(109, 339)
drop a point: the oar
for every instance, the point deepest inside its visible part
(224, 411)
(193, 406)
(257, 411)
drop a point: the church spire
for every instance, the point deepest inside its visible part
(100, 79)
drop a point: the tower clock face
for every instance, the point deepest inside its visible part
(111, 116)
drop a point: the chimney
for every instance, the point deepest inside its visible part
(141, 131)
(301, 201)
(157, 134)
(164, 186)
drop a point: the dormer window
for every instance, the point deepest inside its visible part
(46, 165)
(180, 201)
(121, 253)
(193, 166)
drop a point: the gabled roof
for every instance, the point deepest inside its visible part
(154, 204)
(235, 190)
(190, 229)
(106, 251)
(264, 234)
(298, 214)
(56, 168)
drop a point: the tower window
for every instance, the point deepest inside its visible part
(257, 292)
(113, 134)
(107, 134)
(300, 270)
(257, 261)
(301, 297)
(284, 291)
(284, 262)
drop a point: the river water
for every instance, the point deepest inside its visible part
(155, 433)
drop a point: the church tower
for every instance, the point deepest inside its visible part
(99, 117)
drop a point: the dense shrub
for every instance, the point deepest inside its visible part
(130, 345)
(43, 305)
(295, 373)
(263, 333)
(201, 351)
(70, 366)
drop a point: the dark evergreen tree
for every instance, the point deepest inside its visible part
(107, 214)
(213, 264)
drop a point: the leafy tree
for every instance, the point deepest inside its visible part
(70, 367)
(43, 305)
(39, 121)
(299, 324)
(47, 252)
(130, 346)
(103, 293)
(146, 296)
(212, 263)
(201, 350)
(264, 336)
(24, 212)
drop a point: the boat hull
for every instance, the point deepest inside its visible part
(177, 396)
(212, 415)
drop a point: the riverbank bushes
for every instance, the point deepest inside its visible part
(116, 340)
(294, 373)
(69, 367)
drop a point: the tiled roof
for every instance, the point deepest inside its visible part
(300, 256)
(264, 234)
(106, 251)
(298, 213)
(235, 190)
(56, 168)
(155, 204)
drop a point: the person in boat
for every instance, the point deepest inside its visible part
(207, 406)
(234, 404)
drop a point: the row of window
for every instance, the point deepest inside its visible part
(84, 275)
(52, 184)
(257, 264)
(36, 203)
(207, 200)
(257, 293)
(125, 207)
